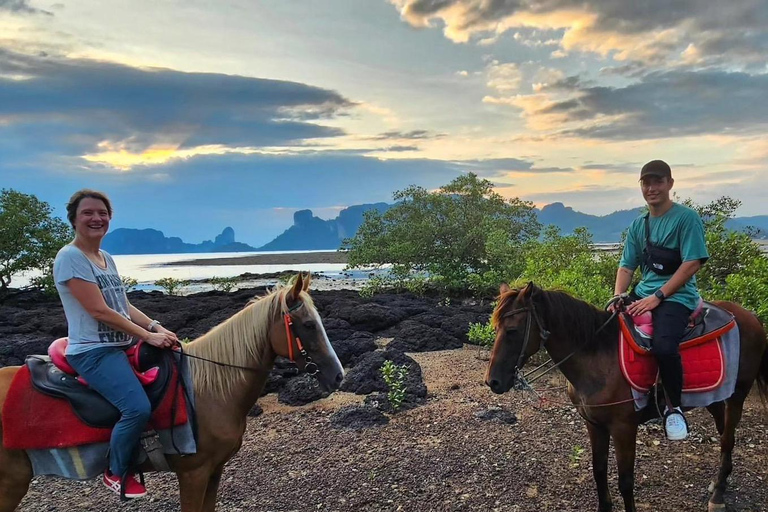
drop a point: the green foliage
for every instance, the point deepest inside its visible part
(374, 285)
(577, 451)
(394, 375)
(462, 229)
(30, 237)
(224, 284)
(129, 283)
(737, 270)
(730, 251)
(45, 283)
(481, 334)
(569, 263)
(395, 282)
(171, 285)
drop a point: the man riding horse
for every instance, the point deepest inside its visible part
(668, 243)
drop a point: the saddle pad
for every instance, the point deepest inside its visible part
(703, 366)
(32, 420)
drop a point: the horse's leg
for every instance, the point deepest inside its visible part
(717, 410)
(209, 505)
(600, 441)
(192, 488)
(624, 437)
(733, 409)
(15, 476)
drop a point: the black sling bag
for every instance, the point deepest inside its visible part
(659, 259)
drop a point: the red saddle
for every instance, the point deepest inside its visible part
(57, 353)
(47, 407)
(701, 354)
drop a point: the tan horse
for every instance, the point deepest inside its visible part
(251, 338)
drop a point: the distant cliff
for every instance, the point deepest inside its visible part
(313, 233)
(152, 241)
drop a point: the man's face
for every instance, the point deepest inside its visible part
(656, 189)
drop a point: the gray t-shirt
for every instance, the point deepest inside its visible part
(85, 332)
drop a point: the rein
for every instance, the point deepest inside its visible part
(550, 364)
(310, 366)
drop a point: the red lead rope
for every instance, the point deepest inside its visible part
(289, 336)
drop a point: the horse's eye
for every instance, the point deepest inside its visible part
(511, 331)
(309, 324)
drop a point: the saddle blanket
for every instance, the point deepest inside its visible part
(90, 460)
(33, 420)
(729, 348)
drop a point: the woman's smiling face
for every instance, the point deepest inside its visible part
(92, 219)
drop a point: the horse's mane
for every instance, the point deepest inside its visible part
(241, 340)
(566, 316)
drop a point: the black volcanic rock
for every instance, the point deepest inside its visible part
(416, 337)
(365, 377)
(357, 344)
(358, 417)
(300, 390)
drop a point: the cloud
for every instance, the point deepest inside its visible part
(411, 135)
(504, 77)
(21, 6)
(72, 106)
(397, 149)
(653, 31)
(660, 105)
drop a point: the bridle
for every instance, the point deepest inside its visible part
(544, 334)
(618, 303)
(310, 366)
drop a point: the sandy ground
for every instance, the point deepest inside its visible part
(441, 457)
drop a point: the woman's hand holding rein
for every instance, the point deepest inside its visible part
(161, 339)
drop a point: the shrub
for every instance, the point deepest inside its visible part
(481, 334)
(129, 283)
(30, 237)
(224, 284)
(463, 228)
(171, 285)
(394, 375)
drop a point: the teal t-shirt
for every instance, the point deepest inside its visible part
(679, 228)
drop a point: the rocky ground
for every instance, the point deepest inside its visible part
(460, 448)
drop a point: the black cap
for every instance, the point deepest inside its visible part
(658, 168)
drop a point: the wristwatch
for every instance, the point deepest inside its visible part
(152, 325)
(659, 294)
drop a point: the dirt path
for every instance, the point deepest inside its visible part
(441, 457)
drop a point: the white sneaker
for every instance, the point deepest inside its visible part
(675, 424)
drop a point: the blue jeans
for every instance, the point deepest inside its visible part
(108, 372)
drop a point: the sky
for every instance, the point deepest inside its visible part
(194, 115)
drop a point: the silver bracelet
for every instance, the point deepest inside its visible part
(152, 325)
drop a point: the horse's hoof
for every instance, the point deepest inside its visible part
(711, 487)
(715, 507)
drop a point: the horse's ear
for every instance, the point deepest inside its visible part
(504, 288)
(528, 290)
(298, 285)
(307, 280)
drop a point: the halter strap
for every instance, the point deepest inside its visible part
(309, 366)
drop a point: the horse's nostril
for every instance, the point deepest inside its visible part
(339, 377)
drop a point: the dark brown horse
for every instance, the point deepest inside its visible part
(251, 339)
(586, 338)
